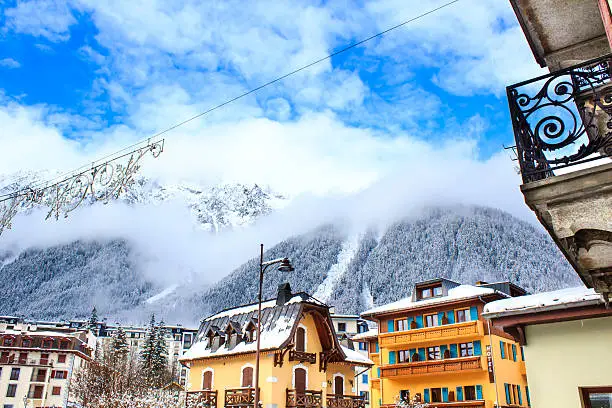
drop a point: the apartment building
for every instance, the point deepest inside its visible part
(435, 347)
(37, 362)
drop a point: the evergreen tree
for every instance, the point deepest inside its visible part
(147, 353)
(120, 344)
(93, 321)
(160, 356)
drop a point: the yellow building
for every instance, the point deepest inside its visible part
(435, 347)
(302, 361)
(567, 337)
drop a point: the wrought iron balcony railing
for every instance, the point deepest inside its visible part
(304, 399)
(201, 399)
(563, 118)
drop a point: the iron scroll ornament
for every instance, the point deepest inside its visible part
(570, 105)
(101, 183)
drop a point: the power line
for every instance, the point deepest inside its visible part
(253, 90)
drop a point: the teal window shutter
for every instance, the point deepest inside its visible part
(450, 315)
(392, 357)
(377, 349)
(411, 351)
(527, 395)
(378, 372)
(410, 319)
(459, 393)
(522, 354)
(473, 313)
(514, 352)
(379, 402)
(440, 316)
(444, 394)
(419, 322)
(477, 348)
(443, 348)
(479, 392)
(426, 394)
(422, 354)
(390, 326)
(502, 348)
(453, 350)
(520, 396)
(507, 388)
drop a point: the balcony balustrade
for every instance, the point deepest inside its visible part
(201, 399)
(240, 398)
(451, 365)
(302, 356)
(345, 401)
(14, 360)
(304, 399)
(424, 335)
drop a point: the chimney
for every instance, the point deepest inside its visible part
(481, 283)
(284, 294)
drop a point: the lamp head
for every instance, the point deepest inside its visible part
(285, 266)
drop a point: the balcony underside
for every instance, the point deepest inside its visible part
(447, 366)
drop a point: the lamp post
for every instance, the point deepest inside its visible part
(285, 266)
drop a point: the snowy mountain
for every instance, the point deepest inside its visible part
(350, 268)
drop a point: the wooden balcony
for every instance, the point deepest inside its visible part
(345, 401)
(201, 399)
(451, 365)
(302, 356)
(375, 357)
(240, 398)
(447, 332)
(454, 404)
(304, 399)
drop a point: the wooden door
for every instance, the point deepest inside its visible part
(247, 377)
(338, 385)
(300, 379)
(300, 339)
(207, 380)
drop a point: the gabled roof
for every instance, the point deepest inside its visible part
(278, 326)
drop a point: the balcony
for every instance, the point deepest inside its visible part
(447, 332)
(451, 365)
(13, 360)
(375, 357)
(240, 398)
(302, 356)
(345, 401)
(304, 399)
(562, 124)
(201, 399)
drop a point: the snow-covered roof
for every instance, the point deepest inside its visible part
(370, 334)
(353, 356)
(253, 307)
(558, 299)
(457, 293)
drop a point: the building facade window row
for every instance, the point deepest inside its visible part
(455, 350)
(441, 318)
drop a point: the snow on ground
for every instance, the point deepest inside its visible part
(337, 271)
(547, 300)
(162, 294)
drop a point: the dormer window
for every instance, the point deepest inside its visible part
(250, 331)
(233, 334)
(429, 292)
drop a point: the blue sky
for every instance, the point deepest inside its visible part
(79, 78)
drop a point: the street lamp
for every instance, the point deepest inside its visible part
(285, 266)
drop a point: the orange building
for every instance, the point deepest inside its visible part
(435, 347)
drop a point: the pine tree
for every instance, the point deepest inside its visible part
(160, 356)
(93, 321)
(120, 344)
(147, 352)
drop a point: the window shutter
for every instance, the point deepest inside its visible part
(426, 394)
(473, 313)
(450, 315)
(459, 393)
(411, 351)
(453, 350)
(514, 352)
(422, 354)
(440, 317)
(502, 348)
(507, 388)
(479, 392)
(443, 348)
(522, 354)
(390, 326)
(419, 322)
(527, 395)
(477, 348)
(520, 396)
(392, 357)
(377, 349)
(410, 319)
(444, 394)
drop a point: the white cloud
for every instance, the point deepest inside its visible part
(50, 19)
(9, 63)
